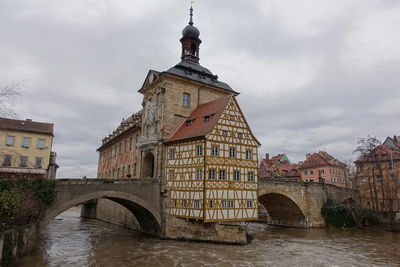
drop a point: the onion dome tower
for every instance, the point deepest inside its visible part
(190, 41)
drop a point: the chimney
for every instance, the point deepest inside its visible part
(308, 156)
(267, 156)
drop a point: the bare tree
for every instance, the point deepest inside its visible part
(8, 95)
(365, 148)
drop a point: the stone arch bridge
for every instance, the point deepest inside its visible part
(298, 204)
(294, 204)
(140, 196)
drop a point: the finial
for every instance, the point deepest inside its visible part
(191, 14)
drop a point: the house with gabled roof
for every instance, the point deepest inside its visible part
(211, 165)
(322, 167)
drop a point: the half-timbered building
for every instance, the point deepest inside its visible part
(212, 165)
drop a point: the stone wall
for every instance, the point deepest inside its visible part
(185, 229)
(115, 213)
(18, 242)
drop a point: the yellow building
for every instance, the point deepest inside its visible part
(25, 149)
(212, 165)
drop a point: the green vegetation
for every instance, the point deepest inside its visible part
(23, 200)
(346, 216)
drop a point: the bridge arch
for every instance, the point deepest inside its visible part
(148, 218)
(283, 210)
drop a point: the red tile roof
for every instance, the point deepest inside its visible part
(381, 153)
(26, 126)
(195, 125)
(322, 158)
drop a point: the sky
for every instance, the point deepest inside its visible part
(313, 75)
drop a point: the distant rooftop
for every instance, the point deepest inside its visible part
(26, 126)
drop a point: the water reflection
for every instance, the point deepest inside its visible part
(71, 241)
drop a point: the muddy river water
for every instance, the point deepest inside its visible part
(71, 241)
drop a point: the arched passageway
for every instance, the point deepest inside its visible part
(148, 219)
(148, 165)
(283, 211)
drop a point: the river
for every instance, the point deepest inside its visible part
(71, 241)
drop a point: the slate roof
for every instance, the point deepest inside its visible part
(26, 126)
(198, 127)
(194, 71)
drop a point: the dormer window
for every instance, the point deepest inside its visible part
(208, 117)
(189, 122)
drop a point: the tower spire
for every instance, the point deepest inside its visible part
(190, 40)
(191, 15)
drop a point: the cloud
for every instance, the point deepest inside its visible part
(313, 75)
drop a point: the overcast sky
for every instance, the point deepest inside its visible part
(313, 75)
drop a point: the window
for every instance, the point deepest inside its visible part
(231, 204)
(118, 172)
(311, 179)
(379, 178)
(38, 162)
(311, 172)
(130, 143)
(211, 204)
(10, 140)
(232, 117)
(120, 148)
(126, 146)
(186, 100)
(134, 169)
(26, 142)
(393, 177)
(199, 174)
(225, 133)
(214, 151)
(208, 117)
(222, 174)
(197, 204)
(250, 176)
(232, 152)
(211, 174)
(249, 155)
(128, 171)
(136, 138)
(199, 150)
(223, 204)
(363, 179)
(240, 135)
(158, 98)
(123, 171)
(321, 171)
(184, 203)
(250, 203)
(305, 172)
(7, 160)
(24, 161)
(171, 153)
(189, 122)
(171, 175)
(236, 175)
(174, 203)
